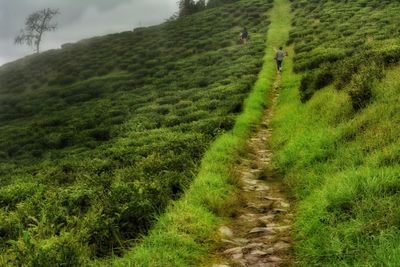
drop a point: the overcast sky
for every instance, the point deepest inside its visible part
(78, 19)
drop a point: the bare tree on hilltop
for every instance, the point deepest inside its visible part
(36, 25)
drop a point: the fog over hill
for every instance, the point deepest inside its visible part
(78, 20)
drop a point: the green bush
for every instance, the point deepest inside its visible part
(314, 81)
(13, 194)
(86, 74)
(100, 134)
(63, 251)
(338, 150)
(362, 84)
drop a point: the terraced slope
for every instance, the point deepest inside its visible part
(98, 138)
(334, 40)
(336, 135)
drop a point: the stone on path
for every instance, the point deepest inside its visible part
(287, 221)
(266, 219)
(232, 242)
(248, 176)
(256, 230)
(262, 188)
(286, 239)
(232, 251)
(281, 246)
(277, 211)
(279, 228)
(261, 207)
(237, 256)
(275, 259)
(284, 204)
(267, 238)
(225, 232)
(268, 264)
(250, 181)
(258, 253)
(240, 263)
(241, 240)
(248, 217)
(273, 198)
(253, 245)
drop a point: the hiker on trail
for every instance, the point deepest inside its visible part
(244, 35)
(279, 56)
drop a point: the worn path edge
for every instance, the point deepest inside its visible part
(260, 234)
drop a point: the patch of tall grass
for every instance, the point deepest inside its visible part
(343, 168)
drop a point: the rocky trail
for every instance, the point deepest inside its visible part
(260, 234)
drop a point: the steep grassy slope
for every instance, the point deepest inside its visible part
(338, 148)
(98, 137)
(336, 39)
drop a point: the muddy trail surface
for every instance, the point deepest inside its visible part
(260, 234)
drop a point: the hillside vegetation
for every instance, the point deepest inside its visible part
(336, 132)
(187, 233)
(98, 137)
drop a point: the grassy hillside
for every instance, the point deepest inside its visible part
(185, 235)
(335, 40)
(98, 138)
(336, 132)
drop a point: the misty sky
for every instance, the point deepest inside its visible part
(78, 19)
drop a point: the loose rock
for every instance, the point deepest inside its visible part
(262, 188)
(281, 246)
(232, 242)
(258, 253)
(232, 251)
(238, 256)
(225, 232)
(241, 240)
(284, 204)
(275, 259)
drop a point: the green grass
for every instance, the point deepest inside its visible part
(184, 235)
(99, 137)
(344, 43)
(142, 132)
(343, 169)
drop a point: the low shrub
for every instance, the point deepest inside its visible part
(361, 86)
(100, 134)
(314, 81)
(86, 74)
(65, 79)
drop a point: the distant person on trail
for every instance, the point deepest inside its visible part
(279, 56)
(244, 36)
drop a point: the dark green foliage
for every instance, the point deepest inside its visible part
(339, 151)
(313, 81)
(362, 83)
(189, 7)
(97, 138)
(215, 3)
